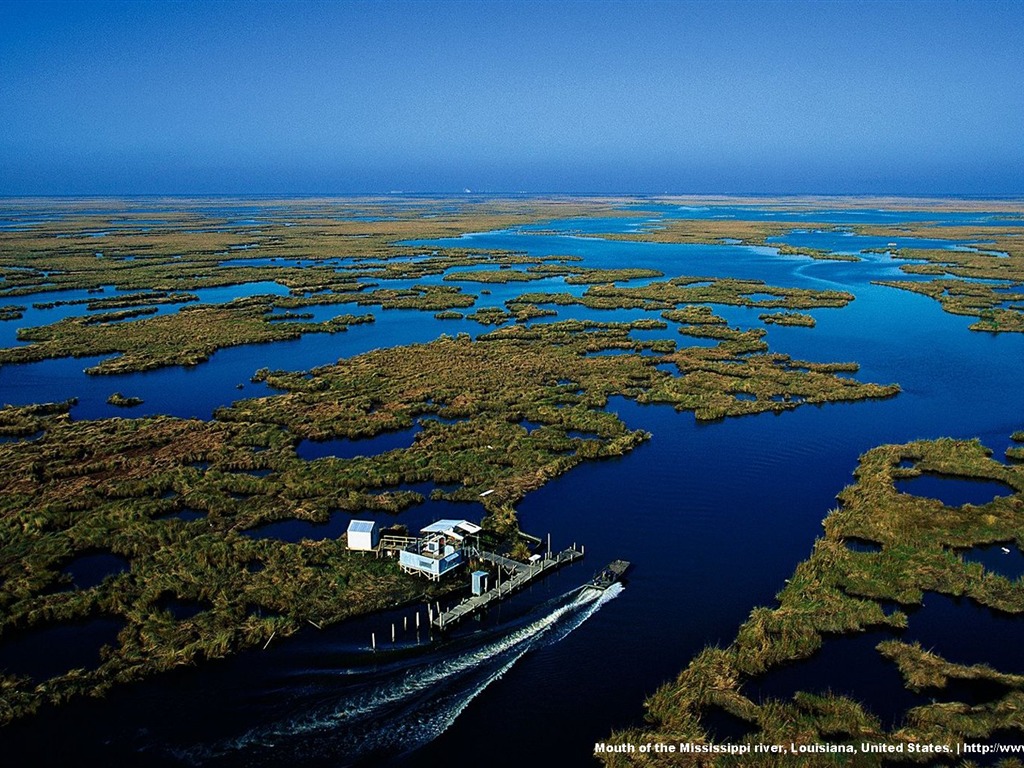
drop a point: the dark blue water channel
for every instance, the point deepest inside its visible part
(714, 518)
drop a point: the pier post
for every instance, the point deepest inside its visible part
(373, 640)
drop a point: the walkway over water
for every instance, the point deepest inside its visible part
(519, 575)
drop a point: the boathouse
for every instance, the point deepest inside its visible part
(363, 535)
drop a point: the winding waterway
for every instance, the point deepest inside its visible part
(714, 518)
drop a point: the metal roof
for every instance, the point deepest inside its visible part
(450, 526)
(361, 526)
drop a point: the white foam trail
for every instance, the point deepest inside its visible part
(418, 680)
(417, 727)
(815, 266)
(416, 733)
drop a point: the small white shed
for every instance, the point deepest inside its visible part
(363, 535)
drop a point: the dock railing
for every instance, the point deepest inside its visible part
(519, 575)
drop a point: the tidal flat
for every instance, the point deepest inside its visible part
(238, 333)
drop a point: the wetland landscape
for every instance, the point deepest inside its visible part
(799, 418)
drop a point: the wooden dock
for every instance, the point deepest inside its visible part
(516, 576)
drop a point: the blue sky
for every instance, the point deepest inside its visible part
(571, 97)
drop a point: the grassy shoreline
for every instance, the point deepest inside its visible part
(174, 497)
(840, 590)
(503, 413)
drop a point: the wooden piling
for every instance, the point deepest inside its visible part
(519, 575)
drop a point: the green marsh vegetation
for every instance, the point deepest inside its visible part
(1016, 452)
(729, 291)
(123, 401)
(493, 276)
(123, 486)
(693, 314)
(839, 589)
(346, 252)
(491, 316)
(738, 376)
(997, 258)
(185, 249)
(573, 275)
(122, 301)
(787, 318)
(667, 295)
(719, 231)
(580, 276)
(980, 300)
(179, 500)
(818, 254)
(715, 231)
(323, 252)
(188, 337)
(998, 254)
(30, 419)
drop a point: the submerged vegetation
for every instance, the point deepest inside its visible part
(839, 589)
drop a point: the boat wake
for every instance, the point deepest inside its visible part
(377, 714)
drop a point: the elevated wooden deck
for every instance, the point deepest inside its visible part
(518, 576)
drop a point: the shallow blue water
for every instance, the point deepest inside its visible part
(713, 516)
(848, 242)
(839, 216)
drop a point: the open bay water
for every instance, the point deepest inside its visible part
(714, 517)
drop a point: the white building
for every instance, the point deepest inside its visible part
(363, 535)
(440, 551)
